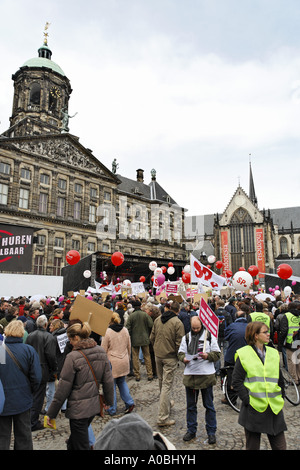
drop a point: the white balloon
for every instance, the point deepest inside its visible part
(87, 274)
(187, 268)
(242, 280)
(171, 270)
(152, 265)
(287, 290)
(277, 293)
(211, 259)
(127, 283)
(157, 272)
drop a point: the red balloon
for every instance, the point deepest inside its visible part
(284, 271)
(253, 270)
(242, 269)
(117, 258)
(186, 277)
(256, 281)
(170, 264)
(228, 273)
(142, 279)
(164, 269)
(219, 264)
(72, 257)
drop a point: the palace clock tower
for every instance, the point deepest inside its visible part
(41, 96)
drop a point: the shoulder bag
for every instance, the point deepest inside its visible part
(101, 398)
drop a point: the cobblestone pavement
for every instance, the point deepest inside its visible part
(230, 435)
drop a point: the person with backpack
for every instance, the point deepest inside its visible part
(199, 375)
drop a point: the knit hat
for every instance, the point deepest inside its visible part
(130, 432)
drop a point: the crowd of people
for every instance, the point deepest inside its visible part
(49, 363)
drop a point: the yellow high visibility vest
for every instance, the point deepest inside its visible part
(260, 316)
(293, 326)
(262, 378)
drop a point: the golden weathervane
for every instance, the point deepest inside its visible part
(46, 34)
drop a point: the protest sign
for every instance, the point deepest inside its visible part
(89, 311)
(209, 318)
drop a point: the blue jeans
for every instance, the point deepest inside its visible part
(124, 393)
(191, 410)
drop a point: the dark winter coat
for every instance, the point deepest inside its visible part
(19, 387)
(60, 354)
(45, 345)
(235, 335)
(77, 384)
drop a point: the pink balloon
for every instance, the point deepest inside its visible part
(89, 297)
(294, 283)
(161, 279)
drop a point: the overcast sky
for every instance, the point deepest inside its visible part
(190, 88)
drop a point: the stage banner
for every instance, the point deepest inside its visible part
(16, 244)
(260, 250)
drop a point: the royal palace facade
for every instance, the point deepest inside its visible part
(54, 186)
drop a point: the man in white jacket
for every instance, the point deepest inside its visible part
(199, 374)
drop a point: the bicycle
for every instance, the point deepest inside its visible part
(291, 391)
(290, 388)
(230, 395)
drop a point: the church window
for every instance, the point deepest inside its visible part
(283, 246)
(242, 240)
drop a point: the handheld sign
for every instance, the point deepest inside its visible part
(96, 315)
(209, 320)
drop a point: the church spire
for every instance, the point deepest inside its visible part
(252, 194)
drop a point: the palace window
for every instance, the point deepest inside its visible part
(24, 198)
(44, 179)
(56, 266)
(43, 203)
(35, 94)
(3, 193)
(5, 168)
(61, 203)
(25, 174)
(38, 267)
(77, 210)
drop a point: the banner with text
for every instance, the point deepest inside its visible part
(225, 251)
(260, 250)
(15, 248)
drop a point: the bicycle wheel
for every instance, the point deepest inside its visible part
(290, 388)
(232, 397)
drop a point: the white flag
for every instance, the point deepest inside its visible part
(203, 275)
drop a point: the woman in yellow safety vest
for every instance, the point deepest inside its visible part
(258, 382)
